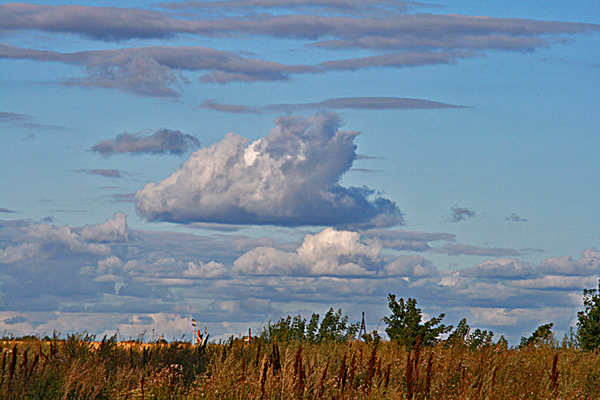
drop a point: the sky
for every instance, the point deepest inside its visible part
(239, 161)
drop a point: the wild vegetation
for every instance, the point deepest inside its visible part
(296, 358)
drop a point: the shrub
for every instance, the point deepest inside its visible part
(405, 324)
(588, 325)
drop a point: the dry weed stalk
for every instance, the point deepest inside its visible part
(371, 370)
(554, 376)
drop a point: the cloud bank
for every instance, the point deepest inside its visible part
(290, 178)
(103, 277)
(395, 31)
(398, 39)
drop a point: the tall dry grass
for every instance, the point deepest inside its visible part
(79, 368)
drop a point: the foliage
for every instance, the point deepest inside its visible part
(462, 335)
(543, 334)
(404, 325)
(571, 339)
(588, 325)
(333, 328)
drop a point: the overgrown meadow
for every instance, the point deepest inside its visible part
(297, 358)
(78, 368)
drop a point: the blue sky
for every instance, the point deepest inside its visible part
(238, 161)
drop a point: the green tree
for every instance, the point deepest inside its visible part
(588, 320)
(462, 335)
(543, 334)
(334, 327)
(405, 324)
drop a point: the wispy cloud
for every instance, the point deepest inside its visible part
(429, 30)
(406, 240)
(399, 40)
(162, 141)
(349, 7)
(107, 173)
(396, 60)
(25, 120)
(456, 249)
(7, 211)
(156, 71)
(356, 103)
(290, 178)
(13, 117)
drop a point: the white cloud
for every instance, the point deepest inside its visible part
(329, 252)
(589, 263)
(113, 230)
(410, 266)
(65, 236)
(290, 177)
(13, 254)
(133, 285)
(501, 268)
(206, 271)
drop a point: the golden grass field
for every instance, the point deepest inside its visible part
(80, 368)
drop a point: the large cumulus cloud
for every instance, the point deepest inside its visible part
(329, 252)
(290, 177)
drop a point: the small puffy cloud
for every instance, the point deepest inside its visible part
(64, 236)
(458, 214)
(43, 241)
(329, 252)
(23, 251)
(410, 266)
(355, 103)
(113, 230)
(515, 218)
(290, 177)
(162, 141)
(208, 270)
(588, 264)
